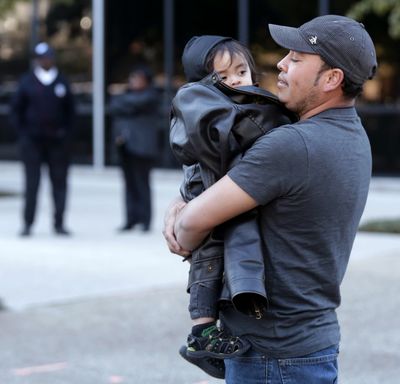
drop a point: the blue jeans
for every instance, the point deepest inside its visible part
(255, 368)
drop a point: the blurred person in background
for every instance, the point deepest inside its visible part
(42, 111)
(135, 121)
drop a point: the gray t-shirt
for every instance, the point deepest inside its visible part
(311, 180)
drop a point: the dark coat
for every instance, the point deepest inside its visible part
(135, 119)
(211, 126)
(39, 110)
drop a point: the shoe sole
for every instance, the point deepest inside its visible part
(203, 353)
(203, 364)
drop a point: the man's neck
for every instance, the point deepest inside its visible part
(336, 102)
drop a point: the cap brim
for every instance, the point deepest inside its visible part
(289, 38)
(47, 55)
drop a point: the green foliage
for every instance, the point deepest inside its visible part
(6, 194)
(382, 8)
(387, 226)
(7, 5)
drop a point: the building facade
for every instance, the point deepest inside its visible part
(155, 32)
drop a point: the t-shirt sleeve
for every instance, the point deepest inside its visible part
(275, 166)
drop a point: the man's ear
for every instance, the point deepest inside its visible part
(334, 79)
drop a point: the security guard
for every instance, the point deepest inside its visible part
(42, 111)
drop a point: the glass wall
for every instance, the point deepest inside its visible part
(134, 32)
(67, 27)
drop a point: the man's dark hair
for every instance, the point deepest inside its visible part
(234, 48)
(350, 89)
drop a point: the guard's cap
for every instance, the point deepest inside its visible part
(44, 50)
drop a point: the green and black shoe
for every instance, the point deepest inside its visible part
(211, 366)
(216, 343)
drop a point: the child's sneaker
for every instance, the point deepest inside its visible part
(215, 343)
(213, 367)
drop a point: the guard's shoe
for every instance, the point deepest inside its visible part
(125, 227)
(211, 366)
(61, 231)
(26, 231)
(216, 343)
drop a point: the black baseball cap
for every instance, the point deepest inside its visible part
(340, 41)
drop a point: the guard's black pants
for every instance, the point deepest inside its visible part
(54, 153)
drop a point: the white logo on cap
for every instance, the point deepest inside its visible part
(313, 40)
(41, 48)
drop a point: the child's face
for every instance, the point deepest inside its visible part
(234, 71)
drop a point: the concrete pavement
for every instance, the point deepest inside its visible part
(101, 307)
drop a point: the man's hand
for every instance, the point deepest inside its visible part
(169, 223)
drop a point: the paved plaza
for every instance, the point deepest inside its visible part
(102, 307)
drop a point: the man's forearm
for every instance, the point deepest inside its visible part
(214, 206)
(189, 237)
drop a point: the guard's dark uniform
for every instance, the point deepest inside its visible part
(43, 116)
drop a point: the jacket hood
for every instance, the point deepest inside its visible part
(195, 54)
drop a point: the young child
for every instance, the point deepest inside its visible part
(214, 119)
